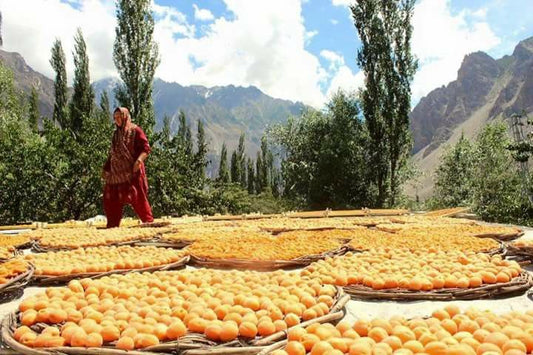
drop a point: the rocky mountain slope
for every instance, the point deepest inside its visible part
(486, 89)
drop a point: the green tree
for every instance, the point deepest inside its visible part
(455, 176)
(105, 106)
(169, 173)
(483, 175)
(258, 174)
(184, 135)
(250, 177)
(267, 163)
(34, 113)
(324, 161)
(1, 40)
(136, 57)
(24, 188)
(241, 159)
(223, 172)
(235, 167)
(201, 151)
(385, 30)
(58, 62)
(497, 189)
(82, 101)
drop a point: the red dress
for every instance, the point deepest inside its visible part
(134, 193)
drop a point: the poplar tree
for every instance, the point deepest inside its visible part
(235, 167)
(105, 106)
(223, 173)
(251, 177)
(258, 173)
(267, 163)
(1, 41)
(241, 160)
(81, 103)
(34, 113)
(201, 152)
(185, 135)
(385, 30)
(58, 62)
(136, 57)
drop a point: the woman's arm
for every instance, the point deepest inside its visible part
(142, 148)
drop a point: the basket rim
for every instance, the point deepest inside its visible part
(43, 280)
(520, 283)
(337, 312)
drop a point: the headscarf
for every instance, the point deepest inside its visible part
(121, 152)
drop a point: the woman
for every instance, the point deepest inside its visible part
(124, 174)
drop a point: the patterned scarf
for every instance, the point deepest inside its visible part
(121, 158)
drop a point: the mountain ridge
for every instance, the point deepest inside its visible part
(486, 89)
(225, 110)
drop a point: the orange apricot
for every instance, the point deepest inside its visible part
(176, 329)
(295, 348)
(248, 330)
(125, 343)
(229, 331)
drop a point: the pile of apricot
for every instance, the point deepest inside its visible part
(101, 259)
(258, 246)
(12, 268)
(143, 309)
(447, 331)
(413, 270)
(422, 240)
(72, 238)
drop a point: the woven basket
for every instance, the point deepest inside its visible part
(516, 286)
(501, 250)
(502, 237)
(43, 280)
(190, 344)
(37, 248)
(166, 243)
(15, 287)
(264, 265)
(152, 224)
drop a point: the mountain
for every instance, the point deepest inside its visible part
(25, 78)
(226, 110)
(486, 89)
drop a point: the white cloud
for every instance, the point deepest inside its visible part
(202, 14)
(309, 36)
(480, 13)
(341, 76)
(441, 40)
(30, 28)
(335, 59)
(346, 80)
(171, 20)
(342, 2)
(334, 22)
(260, 46)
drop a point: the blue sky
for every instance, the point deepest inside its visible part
(302, 50)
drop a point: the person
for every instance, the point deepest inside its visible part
(124, 173)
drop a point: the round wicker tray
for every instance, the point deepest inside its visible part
(264, 265)
(502, 237)
(37, 248)
(15, 287)
(165, 243)
(516, 286)
(190, 344)
(42, 280)
(501, 250)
